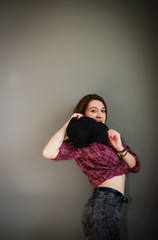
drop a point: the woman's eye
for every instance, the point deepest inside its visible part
(103, 111)
(93, 110)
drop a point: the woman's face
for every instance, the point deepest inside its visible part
(96, 110)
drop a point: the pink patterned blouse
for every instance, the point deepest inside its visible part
(99, 161)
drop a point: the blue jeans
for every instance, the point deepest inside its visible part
(101, 215)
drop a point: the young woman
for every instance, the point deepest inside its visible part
(106, 165)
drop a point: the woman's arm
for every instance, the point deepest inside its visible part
(115, 139)
(130, 160)
(51, 150)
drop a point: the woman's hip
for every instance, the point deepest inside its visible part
(102, 213)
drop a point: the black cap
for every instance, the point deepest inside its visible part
(85, 130)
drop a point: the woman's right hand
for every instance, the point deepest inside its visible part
(52, 148)
(77, 115)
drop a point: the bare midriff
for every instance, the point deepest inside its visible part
(117, 182)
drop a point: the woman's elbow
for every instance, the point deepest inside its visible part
(45, 154)
(48, 155)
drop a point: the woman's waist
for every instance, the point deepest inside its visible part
(117, 183)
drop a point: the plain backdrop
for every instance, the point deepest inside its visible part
(52, 54)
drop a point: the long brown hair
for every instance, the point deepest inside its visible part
(83, 103)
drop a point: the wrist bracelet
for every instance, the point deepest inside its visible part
(122, 150)
(120, 153)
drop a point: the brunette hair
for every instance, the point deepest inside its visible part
(83, 103)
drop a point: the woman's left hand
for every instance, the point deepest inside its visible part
(115, 139)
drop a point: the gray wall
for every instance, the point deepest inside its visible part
(53, 53)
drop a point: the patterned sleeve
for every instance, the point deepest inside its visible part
(137, 166)
(66, 151)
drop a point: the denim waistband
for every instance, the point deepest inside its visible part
(108, 189)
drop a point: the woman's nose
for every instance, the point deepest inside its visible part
(99, 114)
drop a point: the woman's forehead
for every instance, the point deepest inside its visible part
(96, 103)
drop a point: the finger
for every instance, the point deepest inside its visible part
(111, 133)
(79, 115)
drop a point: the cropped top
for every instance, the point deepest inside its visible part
(98, 161)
